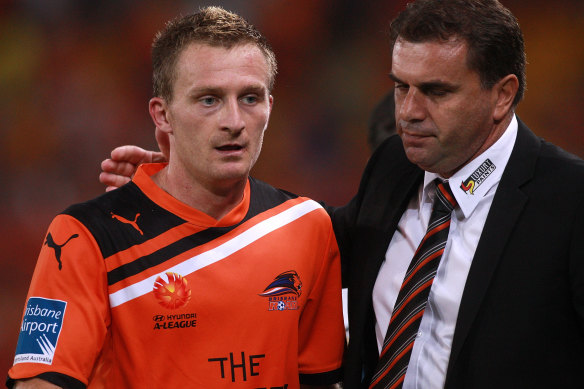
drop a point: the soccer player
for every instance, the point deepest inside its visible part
(194, 274)
(462, 250)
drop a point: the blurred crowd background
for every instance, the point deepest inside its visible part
(75, 82)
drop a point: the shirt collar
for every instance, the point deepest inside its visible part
(477, 178)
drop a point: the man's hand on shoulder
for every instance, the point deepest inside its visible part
(119, 169)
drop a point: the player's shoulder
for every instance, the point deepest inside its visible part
(268, 193)
(127, 196)
(265, 197)
(123, 217)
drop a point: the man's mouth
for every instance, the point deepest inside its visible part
(230, 148)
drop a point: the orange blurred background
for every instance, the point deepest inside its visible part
(75, 82)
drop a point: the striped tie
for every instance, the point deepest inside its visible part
(413, 295)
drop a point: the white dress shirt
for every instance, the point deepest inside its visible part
(431, 351)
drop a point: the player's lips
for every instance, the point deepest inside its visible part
(230, 148)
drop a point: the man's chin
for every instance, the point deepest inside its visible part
(416, 155)
(232, 173)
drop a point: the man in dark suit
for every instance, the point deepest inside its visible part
(505, 305)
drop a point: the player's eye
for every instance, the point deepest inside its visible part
(250, 99)
(208, 100)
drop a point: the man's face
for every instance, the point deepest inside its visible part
(219, 112)
(443, 115)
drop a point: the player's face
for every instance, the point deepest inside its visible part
(219, 112)
(443, 115)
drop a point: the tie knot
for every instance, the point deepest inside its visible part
(445, 200)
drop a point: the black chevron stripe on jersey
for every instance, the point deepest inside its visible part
(113, 236)
(187, 243)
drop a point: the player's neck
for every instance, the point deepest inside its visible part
(215, 200)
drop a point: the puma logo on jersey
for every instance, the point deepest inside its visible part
(130, 222)
(57, 247)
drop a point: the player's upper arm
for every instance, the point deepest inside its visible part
(34, 383)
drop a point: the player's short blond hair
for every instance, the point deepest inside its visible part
(213, 26)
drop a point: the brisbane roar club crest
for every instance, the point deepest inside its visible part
(172, 290)
(283, 292)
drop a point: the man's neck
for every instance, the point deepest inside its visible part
(213, 200)
(497, 132)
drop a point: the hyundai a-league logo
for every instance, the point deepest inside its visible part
(40, 330)
(283, 291)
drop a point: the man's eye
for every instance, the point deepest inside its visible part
(401, 87)
(250, 99)
(437, 92)
(208, 101)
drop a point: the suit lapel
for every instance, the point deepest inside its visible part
(406, 187)
(391, 198)
(507, 205)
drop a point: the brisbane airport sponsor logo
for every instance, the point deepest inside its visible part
(172, 290)
(169, 322)
(470, 185)
(283, 292)
(40, 330)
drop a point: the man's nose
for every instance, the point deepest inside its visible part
(413, 106)
(232, 118)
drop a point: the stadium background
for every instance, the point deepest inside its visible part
(75, 81)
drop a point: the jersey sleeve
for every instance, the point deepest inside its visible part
(66, 315)
(321, 332)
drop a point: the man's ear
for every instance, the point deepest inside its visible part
(159, 114)
(504, 93)
(270, 106)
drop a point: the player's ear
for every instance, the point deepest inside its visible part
(159, 113)
(270, 106)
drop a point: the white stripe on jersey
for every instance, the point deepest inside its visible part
(207, 258)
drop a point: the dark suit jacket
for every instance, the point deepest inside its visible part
(521, 318)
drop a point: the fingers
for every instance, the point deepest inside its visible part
(112, 181)
(131, 154)
(119, 168)
(136, 155)
(157, 156)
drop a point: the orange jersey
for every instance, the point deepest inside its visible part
(135, 289)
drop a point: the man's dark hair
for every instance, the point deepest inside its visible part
(495, 41)
(212, 26)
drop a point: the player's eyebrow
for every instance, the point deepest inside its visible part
(211, 90)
